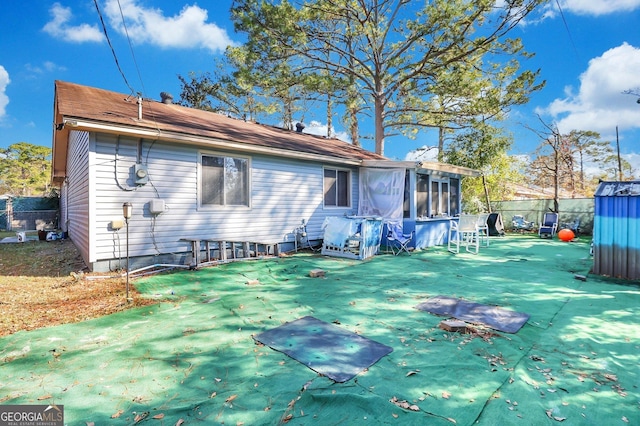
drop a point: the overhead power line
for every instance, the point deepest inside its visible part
(135, 62)
(115, 57)
(567, 28)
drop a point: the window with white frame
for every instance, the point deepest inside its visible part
(337, 184)
(224, 180)
(440, 197)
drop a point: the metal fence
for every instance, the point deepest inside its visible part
(29, 213)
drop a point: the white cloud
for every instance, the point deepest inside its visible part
(599, 104)
(320, 129)
(424, 153)
(634, 160)
(598, 7)
(4, 99)
(581, 7)
(59, 27)
(45, 67)
(186, 30)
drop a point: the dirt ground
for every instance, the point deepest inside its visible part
(46, 283)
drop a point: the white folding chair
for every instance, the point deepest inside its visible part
(483, 228)
(464, 232)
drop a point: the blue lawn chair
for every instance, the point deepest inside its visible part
(549, 225)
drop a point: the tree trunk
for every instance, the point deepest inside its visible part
(353, 126)
(441, 144)
(379, 120)
(486, 193)
(329, 114)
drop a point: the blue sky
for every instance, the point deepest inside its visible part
(587, 59)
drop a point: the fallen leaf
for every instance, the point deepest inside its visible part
(91, 424)
(42, 398)
(556, 418)
(117, 414)
(140, 417)
(179, 422)
(624, 419)
(159, 416)
(231, 398)
(446, 395)
(213, 395)
(411, 373)
(287, 418)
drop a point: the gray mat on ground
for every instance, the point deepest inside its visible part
(325, 348)
(491, 316)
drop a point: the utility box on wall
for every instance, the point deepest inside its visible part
(616, 230)
(156, 206)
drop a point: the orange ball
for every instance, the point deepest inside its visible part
(566, 235)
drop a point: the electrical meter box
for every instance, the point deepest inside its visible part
(141, 174)
(156, 206)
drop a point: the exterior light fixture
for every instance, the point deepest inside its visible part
(127, 209)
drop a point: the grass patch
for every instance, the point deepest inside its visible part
(46, 283)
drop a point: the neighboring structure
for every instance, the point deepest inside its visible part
(616, 230)
(193, 174)
(526, 192)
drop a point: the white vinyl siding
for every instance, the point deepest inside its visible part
(76, 194)
(282, 193)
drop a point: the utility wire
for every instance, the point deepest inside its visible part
(135, 62)
(115, 57)
(567, 28)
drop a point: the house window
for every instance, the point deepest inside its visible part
(406, 205)
(336, 188)
(422, 192)
(224, 181)
(440, 197)
(454, 199)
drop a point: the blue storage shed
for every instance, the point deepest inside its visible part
(616, 230)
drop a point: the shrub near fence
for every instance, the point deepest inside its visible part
(29, 213)
(571, 209)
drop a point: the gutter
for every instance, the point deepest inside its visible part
(159, 135)
(425, 165)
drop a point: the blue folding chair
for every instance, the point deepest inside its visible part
(397, 240)
(549, 225)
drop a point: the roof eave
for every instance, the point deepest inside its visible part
(81, 124)
(423, 165)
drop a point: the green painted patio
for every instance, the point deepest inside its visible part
(192, 359)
